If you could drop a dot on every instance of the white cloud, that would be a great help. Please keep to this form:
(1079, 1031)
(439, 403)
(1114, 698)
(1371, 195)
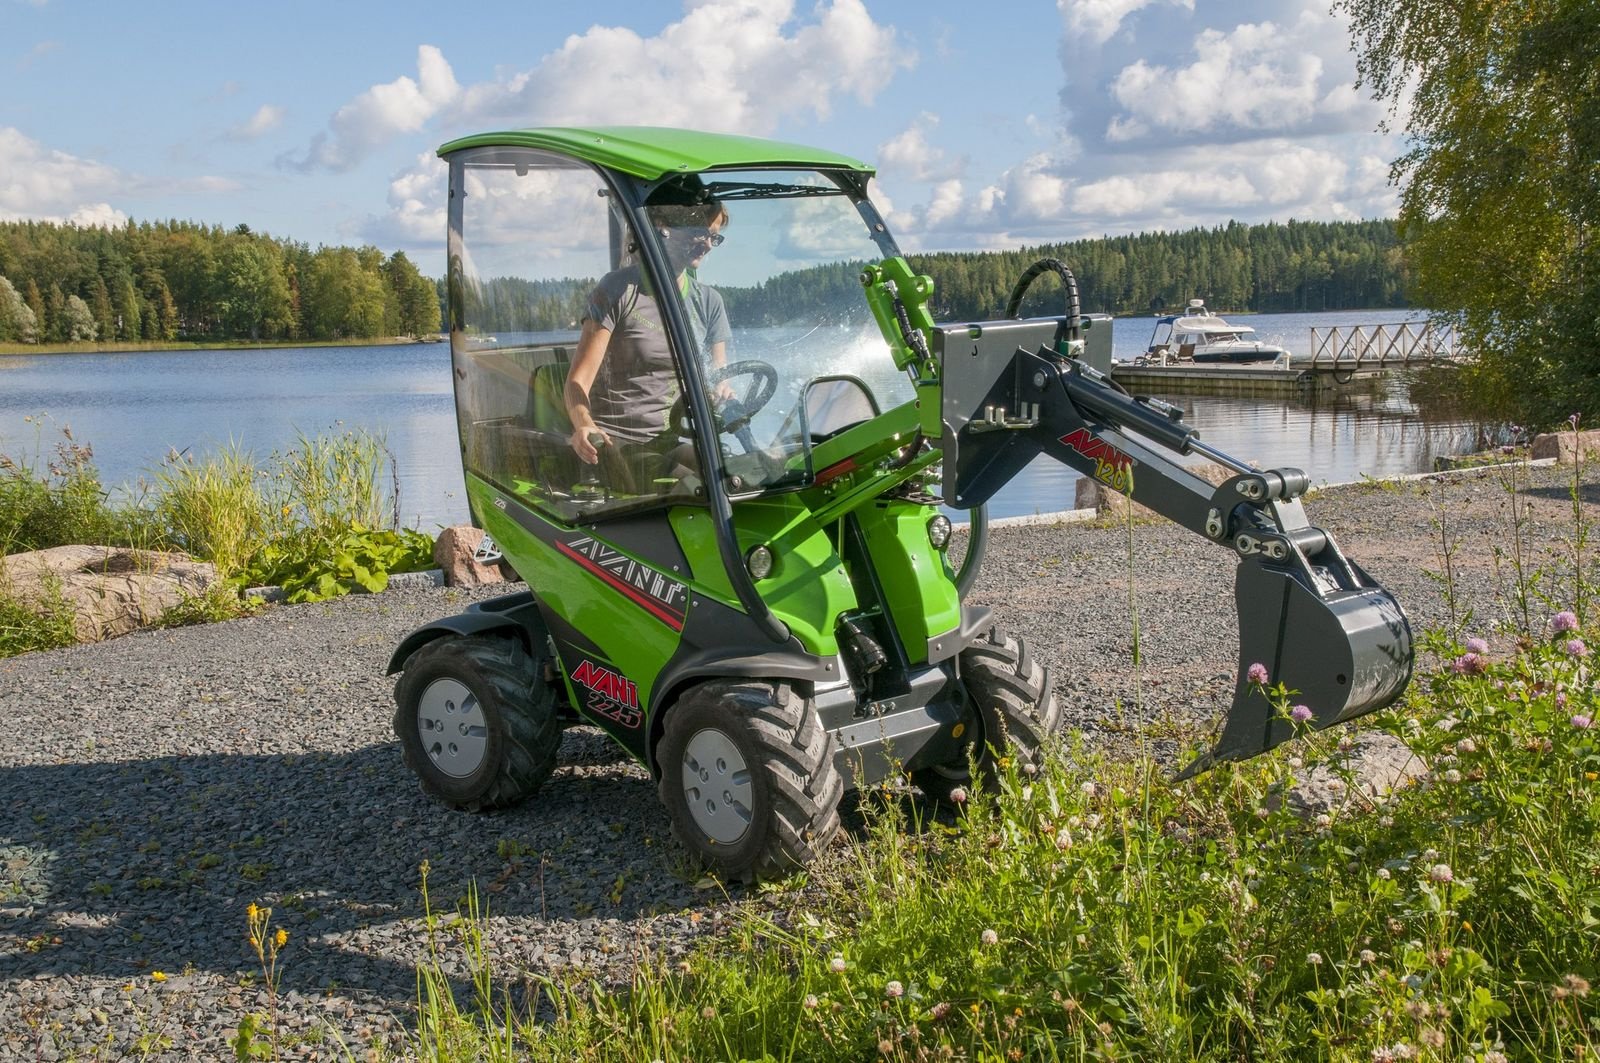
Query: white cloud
(727, 65)
(97, 215)
(41, 184)
(417, 203)
(267, 118)
(46, 185)
(1254, 78)
(909, 152)
(1099, 20)
(380, 113)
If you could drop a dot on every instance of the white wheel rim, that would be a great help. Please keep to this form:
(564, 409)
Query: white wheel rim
(452, 727)
(717, 786)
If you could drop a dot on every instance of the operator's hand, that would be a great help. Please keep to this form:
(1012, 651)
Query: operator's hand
(586, 442)
(723, 391)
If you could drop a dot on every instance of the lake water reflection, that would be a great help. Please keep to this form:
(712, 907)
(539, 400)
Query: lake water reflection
(133, 408)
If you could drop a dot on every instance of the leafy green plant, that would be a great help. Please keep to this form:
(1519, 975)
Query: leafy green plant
(335, 483)
(311, 568)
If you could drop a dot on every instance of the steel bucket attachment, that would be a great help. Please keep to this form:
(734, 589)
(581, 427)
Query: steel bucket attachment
(1344, 651)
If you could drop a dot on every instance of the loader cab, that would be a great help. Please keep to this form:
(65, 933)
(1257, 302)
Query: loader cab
(762, 313)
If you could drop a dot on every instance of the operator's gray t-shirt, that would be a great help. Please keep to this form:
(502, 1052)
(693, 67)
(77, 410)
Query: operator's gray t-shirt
(636, 386)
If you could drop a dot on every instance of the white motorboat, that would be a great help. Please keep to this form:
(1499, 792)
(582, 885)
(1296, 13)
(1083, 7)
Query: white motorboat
(1198, 335)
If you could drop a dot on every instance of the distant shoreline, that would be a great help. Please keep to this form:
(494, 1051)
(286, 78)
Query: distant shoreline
(154, 346)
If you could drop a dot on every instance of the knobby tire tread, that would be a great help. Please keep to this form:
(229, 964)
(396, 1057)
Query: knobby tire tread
(795, 754)
(525, 705)
(999, 670)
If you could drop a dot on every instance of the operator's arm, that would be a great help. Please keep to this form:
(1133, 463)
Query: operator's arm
(580, 378)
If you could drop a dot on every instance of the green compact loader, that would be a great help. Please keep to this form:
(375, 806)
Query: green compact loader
(755, 599)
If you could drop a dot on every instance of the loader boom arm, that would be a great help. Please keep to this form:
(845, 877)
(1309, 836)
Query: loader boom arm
(1321, 625)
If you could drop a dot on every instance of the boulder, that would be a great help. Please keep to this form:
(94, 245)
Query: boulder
(454, 552)
(111, 590)
(1567, 447)
(1380, 764)
(1114, 504)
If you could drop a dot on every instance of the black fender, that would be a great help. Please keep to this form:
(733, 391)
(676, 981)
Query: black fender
(514, 613)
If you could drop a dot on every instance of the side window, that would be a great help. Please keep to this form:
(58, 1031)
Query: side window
(545, 277)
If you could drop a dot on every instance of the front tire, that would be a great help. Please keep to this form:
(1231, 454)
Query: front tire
(477, 721)
(748, 779)
(1011, 712)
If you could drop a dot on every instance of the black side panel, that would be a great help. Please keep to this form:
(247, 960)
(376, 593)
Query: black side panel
(641, 535)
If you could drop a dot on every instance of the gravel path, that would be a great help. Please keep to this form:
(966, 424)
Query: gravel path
(155, 786)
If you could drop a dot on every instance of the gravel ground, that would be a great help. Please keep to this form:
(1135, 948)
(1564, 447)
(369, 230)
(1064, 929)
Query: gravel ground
(155, 786)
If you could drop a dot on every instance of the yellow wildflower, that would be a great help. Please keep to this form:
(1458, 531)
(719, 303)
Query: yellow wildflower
(252, 911)
(1591, 776)
(158, 976)
(1465, 925)
(281, 937)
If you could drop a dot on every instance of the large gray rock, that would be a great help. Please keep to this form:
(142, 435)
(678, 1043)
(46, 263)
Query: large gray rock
(1379, 764)
(1567, 447)
(111, 590)
(453, 552)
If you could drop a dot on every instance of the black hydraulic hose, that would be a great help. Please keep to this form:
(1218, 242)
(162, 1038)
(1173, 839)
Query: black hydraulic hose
(977, 544)
(1068, 282)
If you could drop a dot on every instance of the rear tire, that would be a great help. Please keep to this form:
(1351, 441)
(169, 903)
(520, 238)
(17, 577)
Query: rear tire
(1011, 712)
(748, 779)
(477, 721)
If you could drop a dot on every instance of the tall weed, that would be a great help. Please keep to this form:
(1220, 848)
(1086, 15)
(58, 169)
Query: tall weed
(213, 507)
(334, 483)
(56, 499)
(41, 623)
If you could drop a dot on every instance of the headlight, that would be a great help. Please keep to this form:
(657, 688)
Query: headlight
(759, 562)
(939, 531)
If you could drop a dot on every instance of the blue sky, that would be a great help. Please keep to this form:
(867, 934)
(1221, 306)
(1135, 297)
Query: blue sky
(993, 124)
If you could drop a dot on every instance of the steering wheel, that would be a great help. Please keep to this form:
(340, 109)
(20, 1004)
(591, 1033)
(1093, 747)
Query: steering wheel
(734, 414)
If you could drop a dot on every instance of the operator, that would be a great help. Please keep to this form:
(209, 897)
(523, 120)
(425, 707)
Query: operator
(622, 384)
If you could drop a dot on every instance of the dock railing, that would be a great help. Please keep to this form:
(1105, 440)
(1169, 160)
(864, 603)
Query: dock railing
(1353, 347)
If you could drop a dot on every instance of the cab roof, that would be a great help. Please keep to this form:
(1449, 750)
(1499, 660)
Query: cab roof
(650, 152)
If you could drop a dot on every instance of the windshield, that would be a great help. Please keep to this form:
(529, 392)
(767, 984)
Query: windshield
(569, 365)
(787, 270)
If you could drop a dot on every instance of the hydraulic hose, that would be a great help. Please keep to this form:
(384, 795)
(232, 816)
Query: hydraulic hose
(1069, 284)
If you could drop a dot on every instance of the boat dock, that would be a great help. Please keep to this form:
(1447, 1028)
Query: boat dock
(1235, 378)
(1336, 357)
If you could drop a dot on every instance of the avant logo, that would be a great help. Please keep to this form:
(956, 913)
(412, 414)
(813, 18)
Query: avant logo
(1085, 443)
(655, 592)
(611, 694)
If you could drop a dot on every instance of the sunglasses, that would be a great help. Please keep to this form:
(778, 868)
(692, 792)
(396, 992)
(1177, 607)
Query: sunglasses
(699, 233)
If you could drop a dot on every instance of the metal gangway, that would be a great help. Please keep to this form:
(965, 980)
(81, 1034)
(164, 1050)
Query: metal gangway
(1350, 348)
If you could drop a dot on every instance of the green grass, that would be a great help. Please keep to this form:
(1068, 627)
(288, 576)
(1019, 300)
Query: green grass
(1098, 911)
(1101, 911)
(33, 625)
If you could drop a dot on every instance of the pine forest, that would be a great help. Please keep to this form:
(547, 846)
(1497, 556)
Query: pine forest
(164, 281)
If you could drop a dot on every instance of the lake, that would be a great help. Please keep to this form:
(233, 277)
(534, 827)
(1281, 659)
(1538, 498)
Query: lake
(133, 408)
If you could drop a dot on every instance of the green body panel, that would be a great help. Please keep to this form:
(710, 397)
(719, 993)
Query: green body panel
(634, 642)
(808, 588)
(917, 582)
(650, 152)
